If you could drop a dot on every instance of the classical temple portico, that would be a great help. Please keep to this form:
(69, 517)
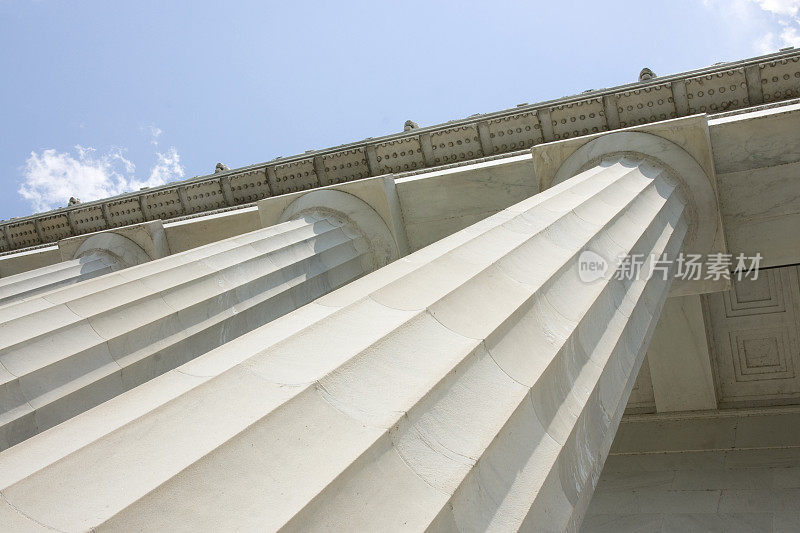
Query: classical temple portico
(482, 364)
(423, 350)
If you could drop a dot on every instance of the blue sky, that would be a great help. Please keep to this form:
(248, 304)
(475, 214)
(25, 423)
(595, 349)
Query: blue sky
(99, 97)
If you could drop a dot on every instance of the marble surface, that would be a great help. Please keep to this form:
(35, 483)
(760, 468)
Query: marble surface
(39, 280)
(718, 482)
(69, 349)
(678, 358)
(389, 403)
(757, 156)
(439, 203)
(335, 397)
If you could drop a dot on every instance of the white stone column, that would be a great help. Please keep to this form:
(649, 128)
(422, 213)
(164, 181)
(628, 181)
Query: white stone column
(70, 349)
(473, 385)
(27, 284)
(99, 254)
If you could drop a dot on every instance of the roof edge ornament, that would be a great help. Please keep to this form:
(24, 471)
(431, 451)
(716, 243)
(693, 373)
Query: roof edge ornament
(646, 74)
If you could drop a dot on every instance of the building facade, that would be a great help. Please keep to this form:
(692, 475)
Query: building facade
(582, 314)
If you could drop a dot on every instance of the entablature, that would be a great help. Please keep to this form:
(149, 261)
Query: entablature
(718, 88)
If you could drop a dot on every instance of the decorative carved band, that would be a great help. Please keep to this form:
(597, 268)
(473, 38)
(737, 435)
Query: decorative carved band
(724, 87)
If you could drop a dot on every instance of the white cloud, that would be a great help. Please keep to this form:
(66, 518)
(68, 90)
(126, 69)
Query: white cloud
(780, 7)
(766, 43)
(50, 178)
(785, 13)
(772, 42)
(790, 35)
(769, 24)
(155, 133)
(168, 167)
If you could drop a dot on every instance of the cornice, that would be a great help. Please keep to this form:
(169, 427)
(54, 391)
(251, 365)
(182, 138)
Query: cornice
(719, 88)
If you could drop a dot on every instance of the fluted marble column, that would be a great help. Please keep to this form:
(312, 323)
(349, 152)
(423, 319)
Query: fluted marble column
(100, 254)
(73, 348)
(475, 384)
(27, 284)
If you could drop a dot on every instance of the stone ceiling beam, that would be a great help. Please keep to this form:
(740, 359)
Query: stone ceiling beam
(679, 358)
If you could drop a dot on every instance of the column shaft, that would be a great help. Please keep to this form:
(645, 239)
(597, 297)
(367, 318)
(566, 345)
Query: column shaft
(70, 349)
(474, 385)
(27, 284)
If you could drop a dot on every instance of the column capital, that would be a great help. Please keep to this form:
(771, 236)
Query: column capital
(682, 148)
(121, 250)
(370, 205)
(354, 215)
(148, 238)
